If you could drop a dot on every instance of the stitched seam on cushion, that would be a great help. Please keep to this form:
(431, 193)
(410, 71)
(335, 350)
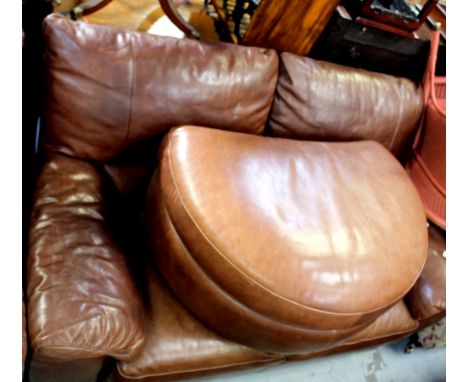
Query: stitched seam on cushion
(382, 336)
(199, 369)
(398, 127)
(132, 87)
(238, 303)
(243, 274)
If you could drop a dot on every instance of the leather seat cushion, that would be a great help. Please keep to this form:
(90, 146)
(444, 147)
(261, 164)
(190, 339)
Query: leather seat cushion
(394, 324)
(286, 246)
(178, 345)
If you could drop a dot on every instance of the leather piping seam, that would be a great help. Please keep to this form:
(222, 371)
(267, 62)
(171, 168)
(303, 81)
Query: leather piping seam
(435, 311)
(345, 346)
(255, 282)
(195, 370)
(400, 332)
(241, 305)
(398, 126)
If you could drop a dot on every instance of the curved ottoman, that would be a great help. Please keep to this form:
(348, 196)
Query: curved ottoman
(285, 246)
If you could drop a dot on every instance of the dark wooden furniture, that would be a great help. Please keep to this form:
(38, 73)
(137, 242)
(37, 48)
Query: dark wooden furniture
(86, 8)
(229, 16)
(350, 43)
(289, 25)
(232, 17)
(170, 9)
(397, 13)
(284, 25)
(395, 16)
(437, 18)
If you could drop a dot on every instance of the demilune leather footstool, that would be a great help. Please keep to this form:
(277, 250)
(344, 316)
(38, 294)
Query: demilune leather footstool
(285, 246)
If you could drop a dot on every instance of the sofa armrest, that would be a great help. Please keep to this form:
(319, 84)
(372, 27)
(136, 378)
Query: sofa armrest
(426, 300)
(82, 300)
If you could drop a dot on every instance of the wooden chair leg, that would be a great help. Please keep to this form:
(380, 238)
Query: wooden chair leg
(86, 8)
(173, 14)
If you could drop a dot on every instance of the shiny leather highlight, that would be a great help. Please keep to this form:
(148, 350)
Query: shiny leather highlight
(269, 247)
(427, 298)
(109, 89)
(318, 100)
(252, 211)
(394, 324)
(177, 344)
(82, 302)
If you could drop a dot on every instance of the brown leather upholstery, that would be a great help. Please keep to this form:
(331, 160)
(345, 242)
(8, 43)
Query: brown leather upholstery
(82, 302)
(108, 89)
(426, 300)
(394, 324)
(178, 345)
(287, 240)
(287, 246)
(317, 100)
(131, 171)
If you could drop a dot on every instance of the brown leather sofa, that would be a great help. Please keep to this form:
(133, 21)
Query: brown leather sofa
(208, 207)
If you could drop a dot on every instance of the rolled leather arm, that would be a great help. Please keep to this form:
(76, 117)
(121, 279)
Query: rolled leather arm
(82, 300)
(426, 300)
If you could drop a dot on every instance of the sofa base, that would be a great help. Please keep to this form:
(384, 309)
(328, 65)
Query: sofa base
(45, 369)
(179, 346)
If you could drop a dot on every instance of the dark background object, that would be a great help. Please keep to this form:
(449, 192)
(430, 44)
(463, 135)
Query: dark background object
(349, 43)
(86, 8)
(244, 7)
(289, 26)
(392, 12)
(33, 12)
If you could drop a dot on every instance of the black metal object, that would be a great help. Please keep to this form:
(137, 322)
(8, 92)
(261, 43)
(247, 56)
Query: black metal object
(348, 43)
(171, 11)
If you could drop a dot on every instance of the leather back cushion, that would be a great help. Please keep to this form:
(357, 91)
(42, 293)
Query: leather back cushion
(317, 100)
(108, 89)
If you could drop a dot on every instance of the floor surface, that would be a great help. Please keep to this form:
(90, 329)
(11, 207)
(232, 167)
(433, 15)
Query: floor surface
(148, 16)
(385, 363)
